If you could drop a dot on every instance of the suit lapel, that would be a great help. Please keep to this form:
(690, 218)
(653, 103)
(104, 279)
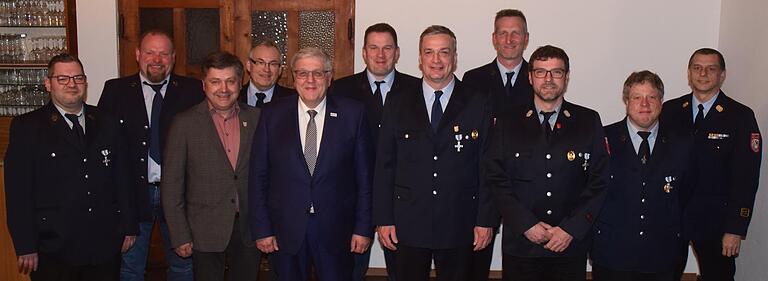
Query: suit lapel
(293, 111)
(457, 102)
(136, 98)
(60, 126)
(330, 131)
(497, 84)
(246, 134)
(628, 147)
(92, 127)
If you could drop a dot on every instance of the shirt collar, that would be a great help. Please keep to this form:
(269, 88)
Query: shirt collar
(320, 107)
(62, 111)
(503, 70)
(235, 110)
(144, 79)
(447, 90)
(707, 105)
(388, 79)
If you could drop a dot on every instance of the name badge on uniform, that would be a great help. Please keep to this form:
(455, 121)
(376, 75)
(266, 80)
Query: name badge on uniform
(668, 186)
(717, 136)
(106, 160)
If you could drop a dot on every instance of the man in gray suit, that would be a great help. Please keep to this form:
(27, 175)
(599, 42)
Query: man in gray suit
(205, 181)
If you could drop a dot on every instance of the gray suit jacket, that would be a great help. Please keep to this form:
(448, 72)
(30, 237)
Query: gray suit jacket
(199, 185)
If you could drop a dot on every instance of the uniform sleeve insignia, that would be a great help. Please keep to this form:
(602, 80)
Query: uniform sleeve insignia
(558, 126)
(744, 212)
(754, 142)
(607, 146)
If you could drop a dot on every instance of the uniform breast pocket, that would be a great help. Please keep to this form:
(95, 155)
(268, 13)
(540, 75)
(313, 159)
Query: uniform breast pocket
(409, 144)
(720, 143)
(522, 168)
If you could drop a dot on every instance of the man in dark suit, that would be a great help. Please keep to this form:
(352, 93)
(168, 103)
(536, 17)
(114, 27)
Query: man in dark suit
(728, 144)
(506, 77)
(547, 166)
(637, 234)
(371, 87)
(264, 65)
(69, 201)
(205, 186)
(144, 104)
(310, 180)
(428, 204)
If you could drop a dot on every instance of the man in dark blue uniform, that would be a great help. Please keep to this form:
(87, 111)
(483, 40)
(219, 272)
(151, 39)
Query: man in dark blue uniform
(547, 167)
(506, 80)
(144, 104)
(506, 77)
(371, 87)
(728, 145)
(637, 234)
(427, 198)
(70, 204)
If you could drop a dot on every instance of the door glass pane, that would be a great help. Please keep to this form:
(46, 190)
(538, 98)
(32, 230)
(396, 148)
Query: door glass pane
(202, 33)
(317, 29)
(153, 18)
(270, 25)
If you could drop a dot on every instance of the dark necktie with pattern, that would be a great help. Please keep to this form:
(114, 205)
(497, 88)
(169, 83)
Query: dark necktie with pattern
(77, 130)
(545, 124)
(437, 111)
(260, 99)
(154, 123)
(644, 152)
(377, 96)
(508, 85)
(697, 123)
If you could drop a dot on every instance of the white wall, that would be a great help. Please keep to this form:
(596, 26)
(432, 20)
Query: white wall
(605, 40)
(97, 43)
(743, 41)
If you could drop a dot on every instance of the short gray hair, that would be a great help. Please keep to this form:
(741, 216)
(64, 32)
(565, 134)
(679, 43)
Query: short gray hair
(315, 52)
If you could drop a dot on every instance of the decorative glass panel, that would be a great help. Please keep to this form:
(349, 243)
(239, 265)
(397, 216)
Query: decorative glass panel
(270, 25)
(152, 18)
(202, 33)
(317, 29)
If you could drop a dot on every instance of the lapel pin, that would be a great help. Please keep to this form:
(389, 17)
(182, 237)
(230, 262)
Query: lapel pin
(571, 155)
(54, 117)
(719, 108)
(245, 123)
(558, 126)
(475, 134)
(529, 113)
(334, 114)
(456, 128)
(685, 104)
(106, 160)
(567, 113)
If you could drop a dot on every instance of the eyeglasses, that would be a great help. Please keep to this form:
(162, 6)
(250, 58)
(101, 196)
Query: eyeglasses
(304, 74)
(556, 73)
(261, 63)
(64, 79)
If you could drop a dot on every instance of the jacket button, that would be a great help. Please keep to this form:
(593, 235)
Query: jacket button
(642, 233)
(642, 217)
(642, 200)
(85, 159)
(121, 121)
(146, 127)
(434, 192)
(549, 212)
(435, 158)
(549, 194)
(141, 159)
(53, 154)
(517, 155)
(86, 176)
(144, 143)
(549, 156)
(434, 175)
(549, 175)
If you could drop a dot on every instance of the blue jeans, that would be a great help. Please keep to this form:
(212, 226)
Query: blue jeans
(135, 260)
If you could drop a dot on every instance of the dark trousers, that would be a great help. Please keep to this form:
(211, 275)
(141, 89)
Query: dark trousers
(51, 269)
(238, 262)
(329, 265)
(362, 261)
(391, 263)
(414, 264)
(600, 273)
(481, 262)
(713, 266)
(544, 269)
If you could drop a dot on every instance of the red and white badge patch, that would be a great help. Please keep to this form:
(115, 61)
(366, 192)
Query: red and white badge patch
(754, 142)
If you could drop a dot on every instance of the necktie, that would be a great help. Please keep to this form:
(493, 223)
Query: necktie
(545, 124)
(260, 99)
(508, 85)
(310, 143)
(699, 117)
(437, 110)
(645, 149)
(377, 96)
(154, 122)
(77, 130)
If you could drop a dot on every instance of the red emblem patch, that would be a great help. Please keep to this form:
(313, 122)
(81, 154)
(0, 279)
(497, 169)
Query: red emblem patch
(607, 146)
(558, 126)
(754, 142)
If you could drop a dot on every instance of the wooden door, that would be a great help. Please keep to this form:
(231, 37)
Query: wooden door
(202, 26)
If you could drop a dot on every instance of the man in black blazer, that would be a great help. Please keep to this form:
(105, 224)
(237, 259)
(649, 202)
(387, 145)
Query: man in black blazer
(728, 144)
(638, 232)
(265, 65)
(506, 77)
(144, 104)
(69, 200)
(371, 87)
(428, 201)
(547, 167)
